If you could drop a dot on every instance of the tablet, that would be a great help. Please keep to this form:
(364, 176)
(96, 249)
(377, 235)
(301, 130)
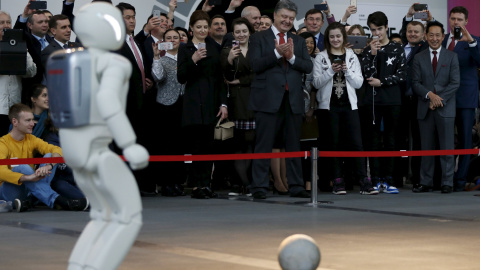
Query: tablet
(358, 42)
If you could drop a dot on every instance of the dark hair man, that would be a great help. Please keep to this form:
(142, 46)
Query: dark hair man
(468, 53)
(279, 60)
(435, 79)
(61, 29)
(384, 70)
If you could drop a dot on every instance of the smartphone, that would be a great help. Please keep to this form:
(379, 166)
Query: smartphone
(321, 7)
(338, 61)
(156, 13)
(420, 15)
(420, 7)
(235, 43)
(457, 33)
(358, 42)
(353, 3)
(214, 2)
(38, 5)
(165, 46)
(202, 46)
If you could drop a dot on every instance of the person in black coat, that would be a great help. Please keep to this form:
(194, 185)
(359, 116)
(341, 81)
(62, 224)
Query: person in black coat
(205, 98)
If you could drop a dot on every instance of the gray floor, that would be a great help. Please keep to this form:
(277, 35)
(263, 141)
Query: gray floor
(404, 231)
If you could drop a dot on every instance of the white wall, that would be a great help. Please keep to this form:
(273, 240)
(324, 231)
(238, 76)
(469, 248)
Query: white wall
(393, 8)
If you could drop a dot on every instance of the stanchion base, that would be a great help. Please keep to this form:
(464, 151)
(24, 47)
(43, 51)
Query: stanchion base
(314, 204)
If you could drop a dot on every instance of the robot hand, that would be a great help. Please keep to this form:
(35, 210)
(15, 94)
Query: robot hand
(137, 156)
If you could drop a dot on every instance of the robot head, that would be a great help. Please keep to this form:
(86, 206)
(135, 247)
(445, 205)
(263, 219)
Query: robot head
(100, 25)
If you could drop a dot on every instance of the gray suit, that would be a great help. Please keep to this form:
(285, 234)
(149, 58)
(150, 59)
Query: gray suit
(445, 82)
(277, 112)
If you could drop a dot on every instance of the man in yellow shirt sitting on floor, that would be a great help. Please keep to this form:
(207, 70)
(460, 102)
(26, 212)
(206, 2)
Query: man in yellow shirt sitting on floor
(18, 183)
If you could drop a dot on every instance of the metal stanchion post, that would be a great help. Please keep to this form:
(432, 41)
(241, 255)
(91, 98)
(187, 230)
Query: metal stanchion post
(315, 202)
(314, 158)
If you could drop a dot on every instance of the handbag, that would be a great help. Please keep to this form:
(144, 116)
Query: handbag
(224, 131)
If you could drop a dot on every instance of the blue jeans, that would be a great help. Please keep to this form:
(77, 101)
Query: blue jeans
(64, 184)
(40, 189)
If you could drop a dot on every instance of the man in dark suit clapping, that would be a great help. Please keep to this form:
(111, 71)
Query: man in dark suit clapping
(279, 60)
(435, 80)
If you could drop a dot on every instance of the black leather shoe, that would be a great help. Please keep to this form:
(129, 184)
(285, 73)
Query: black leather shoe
(421, 189)
(148, 193)
(446, 189)
(198, 193)
(259, 195)
(168, 191)
(179, 190)
(301, 194)
(209, 192)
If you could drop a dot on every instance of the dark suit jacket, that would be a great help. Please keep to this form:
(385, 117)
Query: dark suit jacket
(53, 47)
(320, 42)
(407, 85)
(239, 94)
(35, 49)
(445, 81)
(204, 90)
(271, 75)
(469, 60)
(136, 99)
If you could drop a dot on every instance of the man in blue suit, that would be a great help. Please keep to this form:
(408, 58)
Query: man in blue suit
(467, 95)
(279, 59)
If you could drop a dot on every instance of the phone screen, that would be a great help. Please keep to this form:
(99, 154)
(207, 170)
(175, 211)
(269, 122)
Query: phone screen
(38, 5)
(457, 32)
(321, 7)
(420, 7)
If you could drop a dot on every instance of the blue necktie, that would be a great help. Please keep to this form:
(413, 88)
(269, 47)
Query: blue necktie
(42, 43)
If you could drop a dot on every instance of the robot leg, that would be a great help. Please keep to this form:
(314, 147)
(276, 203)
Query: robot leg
(99, 214)
(118, 188)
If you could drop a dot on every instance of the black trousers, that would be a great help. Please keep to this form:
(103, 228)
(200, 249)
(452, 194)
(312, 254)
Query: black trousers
(343, 133)
(381, 135)
(268, 125)
(169, 141)
(199, 141)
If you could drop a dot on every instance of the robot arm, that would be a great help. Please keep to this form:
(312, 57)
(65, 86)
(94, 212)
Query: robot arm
(110, 99)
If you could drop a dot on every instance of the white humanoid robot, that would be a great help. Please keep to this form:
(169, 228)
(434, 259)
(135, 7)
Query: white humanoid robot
(87, 102)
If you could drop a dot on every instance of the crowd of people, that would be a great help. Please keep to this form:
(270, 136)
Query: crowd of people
(414, 90)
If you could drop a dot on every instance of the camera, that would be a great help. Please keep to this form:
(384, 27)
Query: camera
(13, 53)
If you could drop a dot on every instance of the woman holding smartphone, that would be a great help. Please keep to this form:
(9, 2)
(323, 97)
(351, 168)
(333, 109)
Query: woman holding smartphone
(204, 100)
(169, 109)
(337, 74)
(239, 75)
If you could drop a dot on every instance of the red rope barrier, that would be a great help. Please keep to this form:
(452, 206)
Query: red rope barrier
(302, 154)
